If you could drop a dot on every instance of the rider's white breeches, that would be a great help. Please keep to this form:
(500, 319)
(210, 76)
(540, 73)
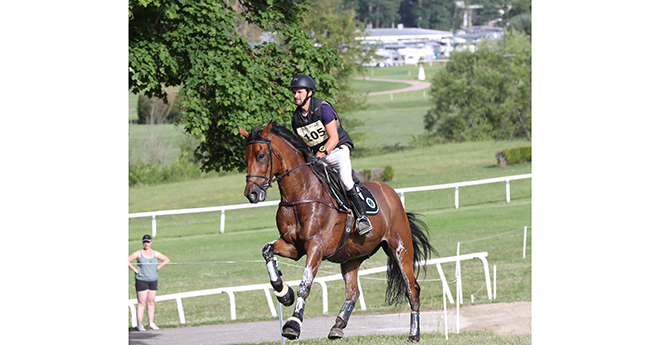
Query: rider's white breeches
(340, 159)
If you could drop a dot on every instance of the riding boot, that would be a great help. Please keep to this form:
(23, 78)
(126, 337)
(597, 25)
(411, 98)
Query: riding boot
(360, 208)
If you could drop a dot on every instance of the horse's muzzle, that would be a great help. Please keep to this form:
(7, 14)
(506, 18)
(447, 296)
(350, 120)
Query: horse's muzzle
(255, 195)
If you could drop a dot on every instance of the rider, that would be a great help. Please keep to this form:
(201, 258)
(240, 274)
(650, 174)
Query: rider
(316, 123)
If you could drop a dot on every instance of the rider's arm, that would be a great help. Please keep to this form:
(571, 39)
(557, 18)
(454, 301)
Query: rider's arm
(331, 129)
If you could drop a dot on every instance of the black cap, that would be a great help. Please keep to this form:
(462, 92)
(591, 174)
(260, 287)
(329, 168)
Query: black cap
(146, 238)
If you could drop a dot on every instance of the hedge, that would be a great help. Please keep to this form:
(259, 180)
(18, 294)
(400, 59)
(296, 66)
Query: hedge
(514, 155)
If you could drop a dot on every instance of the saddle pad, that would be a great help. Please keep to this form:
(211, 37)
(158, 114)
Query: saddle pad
(370, 200)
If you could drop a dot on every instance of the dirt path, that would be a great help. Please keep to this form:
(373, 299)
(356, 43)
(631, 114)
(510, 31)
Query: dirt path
(414, 85)
(500, 318)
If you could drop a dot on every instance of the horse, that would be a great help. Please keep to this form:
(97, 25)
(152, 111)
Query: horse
(311, 223)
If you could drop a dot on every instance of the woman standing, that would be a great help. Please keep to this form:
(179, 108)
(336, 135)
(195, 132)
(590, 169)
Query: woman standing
(146, 279)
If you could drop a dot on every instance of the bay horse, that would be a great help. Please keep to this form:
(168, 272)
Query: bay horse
(311, 223)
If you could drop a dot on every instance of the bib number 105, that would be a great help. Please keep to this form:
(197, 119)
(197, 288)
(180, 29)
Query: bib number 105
(313, 134)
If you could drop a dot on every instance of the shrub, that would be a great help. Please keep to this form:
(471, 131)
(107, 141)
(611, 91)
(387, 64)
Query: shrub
(388, 174)
(515, 155)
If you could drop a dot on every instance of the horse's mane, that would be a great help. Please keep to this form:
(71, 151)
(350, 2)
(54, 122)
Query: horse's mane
(284, 133)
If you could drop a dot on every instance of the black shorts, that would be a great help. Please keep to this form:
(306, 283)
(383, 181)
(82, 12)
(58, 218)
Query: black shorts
(141, 285)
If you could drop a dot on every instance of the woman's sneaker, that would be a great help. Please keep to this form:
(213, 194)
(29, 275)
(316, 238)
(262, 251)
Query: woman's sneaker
(140, 328)
(153, 326)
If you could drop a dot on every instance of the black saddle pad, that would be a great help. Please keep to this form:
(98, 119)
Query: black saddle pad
(332, 177)
(370, 200)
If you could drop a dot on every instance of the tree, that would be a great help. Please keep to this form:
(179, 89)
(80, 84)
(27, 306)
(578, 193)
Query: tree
(376, 13)
(154, 111)
(472, 96)
(335, 25)
(224, 80)
(520, 16)
(428, 14)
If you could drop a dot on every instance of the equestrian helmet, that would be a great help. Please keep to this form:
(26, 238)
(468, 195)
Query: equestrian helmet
(303, 81)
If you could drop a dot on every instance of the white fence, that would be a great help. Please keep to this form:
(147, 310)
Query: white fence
(322, 282)
(400, 191)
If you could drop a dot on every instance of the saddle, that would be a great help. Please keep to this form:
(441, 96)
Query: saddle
(330, 177)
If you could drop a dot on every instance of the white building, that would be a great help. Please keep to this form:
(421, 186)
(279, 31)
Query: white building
(402, 35)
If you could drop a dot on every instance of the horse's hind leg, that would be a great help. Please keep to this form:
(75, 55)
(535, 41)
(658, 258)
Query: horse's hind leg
(403, 256)
(350, 272)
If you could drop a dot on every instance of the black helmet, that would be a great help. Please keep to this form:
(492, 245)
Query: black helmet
(304, 81)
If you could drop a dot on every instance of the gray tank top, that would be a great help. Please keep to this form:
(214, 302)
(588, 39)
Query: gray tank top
(148, 272)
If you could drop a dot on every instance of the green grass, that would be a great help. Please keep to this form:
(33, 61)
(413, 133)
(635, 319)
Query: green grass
(464, 338)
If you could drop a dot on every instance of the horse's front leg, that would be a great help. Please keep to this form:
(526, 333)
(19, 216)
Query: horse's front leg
(291, 328)
(349, 271)
(282, 291)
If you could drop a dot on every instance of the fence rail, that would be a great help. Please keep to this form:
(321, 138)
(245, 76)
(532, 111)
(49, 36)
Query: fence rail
(400, 191)
(266, 287)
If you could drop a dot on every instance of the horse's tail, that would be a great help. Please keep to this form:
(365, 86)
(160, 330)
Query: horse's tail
(422, 250)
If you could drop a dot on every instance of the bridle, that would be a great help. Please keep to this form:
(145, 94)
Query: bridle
(272, 178)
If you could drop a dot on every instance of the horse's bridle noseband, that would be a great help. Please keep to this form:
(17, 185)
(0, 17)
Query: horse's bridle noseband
(272, 178)
(269, 179)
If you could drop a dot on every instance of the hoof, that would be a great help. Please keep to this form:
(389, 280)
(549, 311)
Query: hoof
(414, 338)
(285, 296)
(336, 333)
(291, 330)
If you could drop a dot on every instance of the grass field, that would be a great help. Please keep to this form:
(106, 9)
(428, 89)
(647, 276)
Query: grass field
(464, 338)
(483, 222)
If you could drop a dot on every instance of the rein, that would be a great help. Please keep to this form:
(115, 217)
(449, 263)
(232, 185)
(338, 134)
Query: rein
(272, 178)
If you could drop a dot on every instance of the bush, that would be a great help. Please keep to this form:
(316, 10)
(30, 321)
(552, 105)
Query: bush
(388, 174)
(514, 155)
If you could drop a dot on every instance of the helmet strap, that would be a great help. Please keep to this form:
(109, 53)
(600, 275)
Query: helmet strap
(309, 95)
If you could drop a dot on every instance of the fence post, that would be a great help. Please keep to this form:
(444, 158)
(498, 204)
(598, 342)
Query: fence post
(403, 200)
(525, 242)
(494, 281)
(179, 306)
(456, 197)
(361, 298)
(508, 192)
(153, 225)
(270, 302)
(222, 222)
(133, 314)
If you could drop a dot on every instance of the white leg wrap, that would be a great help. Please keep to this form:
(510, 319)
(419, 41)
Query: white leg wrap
(284, 291)
(293, 318)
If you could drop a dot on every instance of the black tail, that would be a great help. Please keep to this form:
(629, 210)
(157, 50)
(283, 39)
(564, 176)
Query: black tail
(422, 250)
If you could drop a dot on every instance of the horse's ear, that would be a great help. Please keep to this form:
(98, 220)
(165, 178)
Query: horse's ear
(244, 133)
(266, 131)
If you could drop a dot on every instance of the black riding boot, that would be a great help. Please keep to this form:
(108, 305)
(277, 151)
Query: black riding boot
(360, 208)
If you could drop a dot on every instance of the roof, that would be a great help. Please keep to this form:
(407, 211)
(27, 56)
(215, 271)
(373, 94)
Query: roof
(403, 34)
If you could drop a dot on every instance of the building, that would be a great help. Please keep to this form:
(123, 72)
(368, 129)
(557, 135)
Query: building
(403, 35)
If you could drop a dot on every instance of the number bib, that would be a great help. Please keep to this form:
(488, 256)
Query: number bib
(313, 134)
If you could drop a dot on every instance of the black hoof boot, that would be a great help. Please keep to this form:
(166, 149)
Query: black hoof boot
(286, 296)
(413, 338)
(291, 330)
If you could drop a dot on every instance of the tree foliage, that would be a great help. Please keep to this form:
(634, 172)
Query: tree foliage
(428, 14)
(472, 97)
(338, 28)
(224, 80)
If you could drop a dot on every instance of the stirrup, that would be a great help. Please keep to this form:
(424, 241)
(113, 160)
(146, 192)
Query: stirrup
(364, 229)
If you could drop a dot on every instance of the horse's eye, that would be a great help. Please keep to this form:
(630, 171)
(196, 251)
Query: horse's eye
(261, 156)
